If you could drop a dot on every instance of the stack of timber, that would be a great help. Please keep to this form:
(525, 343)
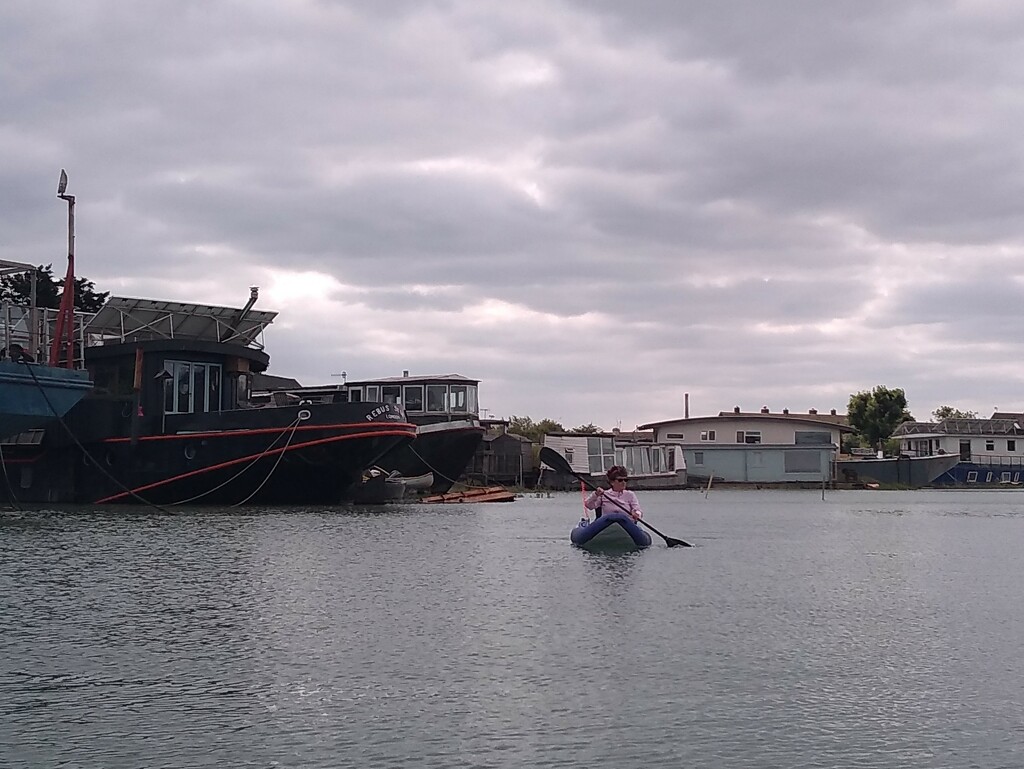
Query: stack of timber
(480, 494)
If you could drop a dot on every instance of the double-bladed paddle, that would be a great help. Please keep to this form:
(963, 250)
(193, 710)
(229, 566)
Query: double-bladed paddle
(557, 462)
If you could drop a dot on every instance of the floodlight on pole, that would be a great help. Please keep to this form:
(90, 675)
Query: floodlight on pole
(64, 327)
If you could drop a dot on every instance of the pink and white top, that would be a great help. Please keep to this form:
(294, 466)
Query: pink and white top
(610, 501)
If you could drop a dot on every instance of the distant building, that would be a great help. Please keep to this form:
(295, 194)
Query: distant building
(991, 450)
(757, 447)
(503, 458)
(651, 465)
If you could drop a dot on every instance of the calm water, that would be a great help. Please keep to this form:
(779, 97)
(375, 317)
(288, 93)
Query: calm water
(872, 629)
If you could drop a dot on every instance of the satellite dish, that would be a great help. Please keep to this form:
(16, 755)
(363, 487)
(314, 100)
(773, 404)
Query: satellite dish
(63, 183)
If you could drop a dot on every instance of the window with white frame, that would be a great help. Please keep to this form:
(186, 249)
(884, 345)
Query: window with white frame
(600, 454)
(707, 435)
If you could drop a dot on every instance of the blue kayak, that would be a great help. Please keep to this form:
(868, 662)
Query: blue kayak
(612, 532)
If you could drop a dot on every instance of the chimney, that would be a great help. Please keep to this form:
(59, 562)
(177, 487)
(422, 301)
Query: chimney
(785, 411)
(833, 412)
(686, 405)
(764, 409)
(812, 411)
(405, 372)
(735, 409)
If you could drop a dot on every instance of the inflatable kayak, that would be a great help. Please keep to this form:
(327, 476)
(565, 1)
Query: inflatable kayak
(610, 532)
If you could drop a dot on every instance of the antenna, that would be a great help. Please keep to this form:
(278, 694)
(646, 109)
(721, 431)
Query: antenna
(62, 185)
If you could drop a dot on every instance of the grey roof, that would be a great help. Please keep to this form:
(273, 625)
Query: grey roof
(962, 427)
(837, 421)
(434, 378)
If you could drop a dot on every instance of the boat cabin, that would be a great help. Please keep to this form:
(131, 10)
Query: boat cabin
(425, 399)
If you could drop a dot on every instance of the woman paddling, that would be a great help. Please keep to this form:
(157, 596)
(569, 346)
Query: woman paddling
(619, 497)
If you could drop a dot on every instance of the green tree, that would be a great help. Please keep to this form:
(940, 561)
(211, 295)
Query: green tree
(876, 414)
(535, 431)
(588, 429)
(948, 412)
(18, 290)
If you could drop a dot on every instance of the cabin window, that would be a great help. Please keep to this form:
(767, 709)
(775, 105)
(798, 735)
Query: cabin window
(656, 463)
(373, 393)
(436, 397)
(458, 399)
(568, 455)
(990, 445)
(707, 435)
(600, 454)
(191, 387)
(972, 476)
(750, 436)
(413, 397)
(698, 457)
(1011, 445)
(391, 394)
(635, 459)
(355, 395)
(677, 436)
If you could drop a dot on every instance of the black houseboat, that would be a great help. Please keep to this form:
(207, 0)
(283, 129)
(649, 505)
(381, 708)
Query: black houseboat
(445, 409)
(170, 420)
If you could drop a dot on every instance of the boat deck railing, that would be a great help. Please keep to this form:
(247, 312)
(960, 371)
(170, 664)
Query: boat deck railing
(33, 328)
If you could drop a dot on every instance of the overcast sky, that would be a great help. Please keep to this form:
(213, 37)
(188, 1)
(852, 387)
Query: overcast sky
(594, 207)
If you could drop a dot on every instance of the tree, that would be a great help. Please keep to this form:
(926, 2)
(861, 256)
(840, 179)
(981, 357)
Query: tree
(18, 290)
(535, 431)
(588, 429)
(948, 412)
(876, 414)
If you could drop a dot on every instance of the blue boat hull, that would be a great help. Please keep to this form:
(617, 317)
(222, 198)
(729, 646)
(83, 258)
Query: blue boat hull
(32, 394)
(612, 532)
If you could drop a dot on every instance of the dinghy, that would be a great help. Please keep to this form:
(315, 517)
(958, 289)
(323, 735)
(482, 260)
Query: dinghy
(612, 532)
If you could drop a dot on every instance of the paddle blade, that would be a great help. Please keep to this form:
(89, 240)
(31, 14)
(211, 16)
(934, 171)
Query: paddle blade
(556, 461)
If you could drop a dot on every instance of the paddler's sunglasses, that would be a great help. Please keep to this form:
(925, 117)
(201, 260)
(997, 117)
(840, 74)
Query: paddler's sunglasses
(620, 478)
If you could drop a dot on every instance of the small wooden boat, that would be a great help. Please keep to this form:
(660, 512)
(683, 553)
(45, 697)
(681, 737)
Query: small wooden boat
(612, 532)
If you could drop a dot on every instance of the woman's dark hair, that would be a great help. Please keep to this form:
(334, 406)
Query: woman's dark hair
(617, 471)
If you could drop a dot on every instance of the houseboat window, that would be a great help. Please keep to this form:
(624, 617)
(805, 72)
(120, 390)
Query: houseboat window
(373, 393)
(192, 387)
(990, 445)
(355, 395)
(972, 476)
(1004, 476)
(677, 436)
(568, 455)
(459, 399)
(600, 454)
(656, 463)
(1011, 445)
(632, 458)
(750, 436)
(698, 457)
(812, 438)
(436, 396)
(414, 397)
(391, 394)
(802, 462)
(707, 435)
